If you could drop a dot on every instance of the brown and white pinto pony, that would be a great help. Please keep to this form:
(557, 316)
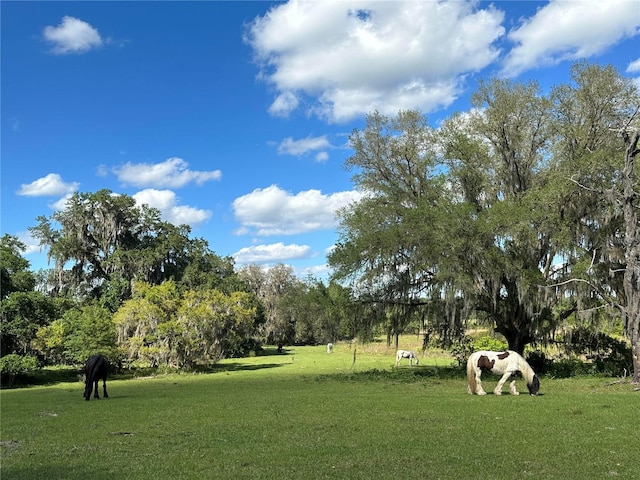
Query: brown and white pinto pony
(94, 370)
(507, 364)
(400, 354)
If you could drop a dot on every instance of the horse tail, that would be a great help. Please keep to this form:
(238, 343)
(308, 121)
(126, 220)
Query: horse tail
(471, 374)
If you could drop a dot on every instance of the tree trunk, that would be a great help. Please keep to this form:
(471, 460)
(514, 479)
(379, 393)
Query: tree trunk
(635, 352)
(631, 308)
(515, 339)
(516, 333)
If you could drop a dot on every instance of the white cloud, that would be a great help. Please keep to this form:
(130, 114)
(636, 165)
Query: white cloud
(322, 157)
(634, 66)
(32, 244)
(48, 186)
(72, 36)
(564, 30)
(317, 271)
(167, 202)
(273, 253)
(284, 104)
(172, 173)
(60, 204)
(349, 58)
(289, 146)
(273, 211)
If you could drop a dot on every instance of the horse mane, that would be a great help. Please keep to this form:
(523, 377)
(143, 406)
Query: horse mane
(525, 368)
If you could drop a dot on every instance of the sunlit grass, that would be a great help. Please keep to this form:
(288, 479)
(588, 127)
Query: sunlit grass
(309, 414)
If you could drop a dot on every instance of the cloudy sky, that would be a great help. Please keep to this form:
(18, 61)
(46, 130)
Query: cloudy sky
(234, 117)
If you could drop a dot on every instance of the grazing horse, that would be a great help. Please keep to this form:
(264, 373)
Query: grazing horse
(411, 355)
(507, 364)
(94, 370)
(329, 347)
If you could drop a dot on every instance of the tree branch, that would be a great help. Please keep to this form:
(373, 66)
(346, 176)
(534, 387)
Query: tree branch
(584, 186)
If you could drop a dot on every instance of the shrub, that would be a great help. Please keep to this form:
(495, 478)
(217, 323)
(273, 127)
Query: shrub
(538, 361)
(463, 348)
(489, 343)
(13, 365)
(607, 355)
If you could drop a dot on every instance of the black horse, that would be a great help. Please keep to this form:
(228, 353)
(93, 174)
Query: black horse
(94, 370)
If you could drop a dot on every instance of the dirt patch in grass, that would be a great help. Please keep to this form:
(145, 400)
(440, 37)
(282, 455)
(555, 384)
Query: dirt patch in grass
(7, 447)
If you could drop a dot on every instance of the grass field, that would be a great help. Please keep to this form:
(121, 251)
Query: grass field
(311, 415)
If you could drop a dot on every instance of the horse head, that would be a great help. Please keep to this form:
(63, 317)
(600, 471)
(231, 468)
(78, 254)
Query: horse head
(534, 386)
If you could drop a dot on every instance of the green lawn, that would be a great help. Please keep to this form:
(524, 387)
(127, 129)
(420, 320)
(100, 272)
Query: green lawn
(308, 414)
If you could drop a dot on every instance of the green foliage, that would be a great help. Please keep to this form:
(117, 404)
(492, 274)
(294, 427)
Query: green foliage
(608, 355)
(489, 343)
(108, 241)
(14, 269)
(478, 211)
(78, 334)
(146, 325)
(13, 365)
(21, 315)
(162, 326)
(212, 326)
(461, 349)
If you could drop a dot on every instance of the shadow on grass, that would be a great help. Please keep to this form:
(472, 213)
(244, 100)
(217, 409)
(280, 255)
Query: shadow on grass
(50, 471)
(400, 375)
(55, 375)
(237, 367)
(43, 377)
(216, 368)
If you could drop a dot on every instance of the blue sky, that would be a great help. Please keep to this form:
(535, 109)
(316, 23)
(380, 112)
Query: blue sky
(234, 117)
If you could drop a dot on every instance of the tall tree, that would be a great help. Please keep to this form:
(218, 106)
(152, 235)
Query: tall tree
(515, 220)
(631, 307)
(15, 275)
(388, 246)
(597, 118)
(273, 287)
(461, 213)
(106, 238)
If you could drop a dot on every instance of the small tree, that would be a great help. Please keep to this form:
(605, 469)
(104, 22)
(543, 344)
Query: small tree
(146, 324)
(212, 325)
(13, 365)
(78, 334)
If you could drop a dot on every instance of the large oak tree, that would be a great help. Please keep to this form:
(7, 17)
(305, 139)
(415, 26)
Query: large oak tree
(490, 213)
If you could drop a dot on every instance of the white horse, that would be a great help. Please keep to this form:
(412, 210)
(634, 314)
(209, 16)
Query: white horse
(506, 364)
(329, 347)
(411, 355)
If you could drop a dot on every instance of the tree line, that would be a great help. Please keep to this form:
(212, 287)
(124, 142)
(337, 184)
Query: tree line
(141, 291)
(520, 214)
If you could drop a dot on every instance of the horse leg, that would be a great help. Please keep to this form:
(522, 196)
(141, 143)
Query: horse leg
(95, 390)
(504, 378)
(479, 389)
(104, 388)
(512, 388)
